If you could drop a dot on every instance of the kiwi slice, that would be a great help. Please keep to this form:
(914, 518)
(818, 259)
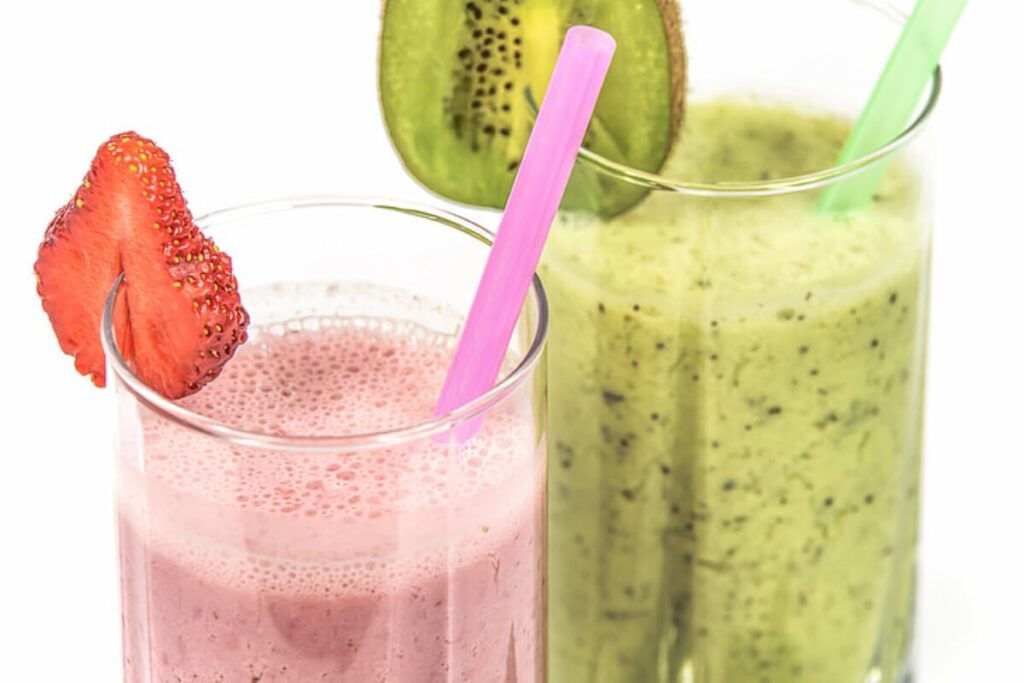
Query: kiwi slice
(457, 77)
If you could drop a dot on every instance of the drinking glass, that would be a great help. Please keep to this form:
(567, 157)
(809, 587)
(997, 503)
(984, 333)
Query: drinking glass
(736, 373)
(264, 538)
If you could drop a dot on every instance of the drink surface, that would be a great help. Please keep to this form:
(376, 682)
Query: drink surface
(735, 394)
(413, 563)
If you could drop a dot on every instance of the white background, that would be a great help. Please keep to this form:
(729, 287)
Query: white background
(256, 101)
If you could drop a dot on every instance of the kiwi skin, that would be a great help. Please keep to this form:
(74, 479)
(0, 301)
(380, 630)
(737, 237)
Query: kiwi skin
(453, 76)
(677, 64)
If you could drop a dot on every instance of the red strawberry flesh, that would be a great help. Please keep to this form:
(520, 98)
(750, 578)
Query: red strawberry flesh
(179, 318)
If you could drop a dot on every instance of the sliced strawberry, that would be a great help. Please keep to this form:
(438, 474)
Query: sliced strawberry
(179, 318)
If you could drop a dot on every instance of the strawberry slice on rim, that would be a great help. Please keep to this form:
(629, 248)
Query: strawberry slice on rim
(178, 318)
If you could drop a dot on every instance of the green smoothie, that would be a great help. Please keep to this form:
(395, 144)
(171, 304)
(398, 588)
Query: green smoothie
(735, 389)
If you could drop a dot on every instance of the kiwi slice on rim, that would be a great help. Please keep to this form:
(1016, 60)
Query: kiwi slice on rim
(457, 77)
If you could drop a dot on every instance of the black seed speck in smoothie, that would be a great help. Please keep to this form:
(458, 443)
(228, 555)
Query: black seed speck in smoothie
(612, 397)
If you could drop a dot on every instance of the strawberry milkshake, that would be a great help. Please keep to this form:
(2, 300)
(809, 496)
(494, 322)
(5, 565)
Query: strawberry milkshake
(421, 561)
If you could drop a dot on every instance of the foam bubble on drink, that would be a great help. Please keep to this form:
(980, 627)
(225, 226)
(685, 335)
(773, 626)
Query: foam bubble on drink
(330, 376)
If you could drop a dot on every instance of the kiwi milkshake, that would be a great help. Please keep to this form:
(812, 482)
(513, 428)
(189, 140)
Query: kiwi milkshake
(735, 390)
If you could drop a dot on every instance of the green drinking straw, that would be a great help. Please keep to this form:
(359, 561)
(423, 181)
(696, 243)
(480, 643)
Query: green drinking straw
(896, 94)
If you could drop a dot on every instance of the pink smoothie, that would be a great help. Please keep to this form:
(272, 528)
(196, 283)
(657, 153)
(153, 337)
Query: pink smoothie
(413, 563)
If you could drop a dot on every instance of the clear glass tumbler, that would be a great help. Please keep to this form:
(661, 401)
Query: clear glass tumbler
(304, 518)
(736, 373)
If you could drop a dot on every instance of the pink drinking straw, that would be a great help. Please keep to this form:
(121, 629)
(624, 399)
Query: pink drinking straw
(536, 193)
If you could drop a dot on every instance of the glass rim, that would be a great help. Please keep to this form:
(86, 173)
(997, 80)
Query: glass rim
(776, 186)
(168, 409)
